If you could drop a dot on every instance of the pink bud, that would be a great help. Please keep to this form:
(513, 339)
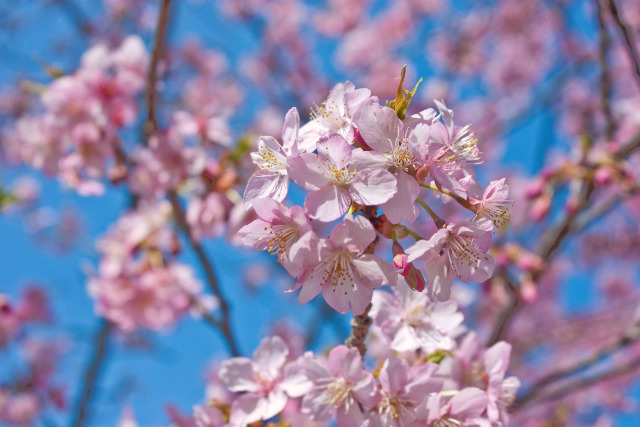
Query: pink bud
(399, 261)
(529, 291)
(602, 176)
(415, 279)
(534, 189)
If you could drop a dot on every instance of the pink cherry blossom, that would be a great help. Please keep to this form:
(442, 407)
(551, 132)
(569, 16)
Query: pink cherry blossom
(266, 380)
(381, 130)
(455, 250)
(272, 181)
(410, 320)
(339, 387)
(284, 232)
(494, 204)
(335, 114)
(403, 389)
(337, 176)
(345, 276)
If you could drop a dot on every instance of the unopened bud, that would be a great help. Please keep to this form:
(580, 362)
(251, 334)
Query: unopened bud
(602, 176)
(529, 290)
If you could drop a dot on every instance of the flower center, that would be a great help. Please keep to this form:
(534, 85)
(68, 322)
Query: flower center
(329, 117)
(464, 250)
(271, 160)
(334, 392)
(281, 237)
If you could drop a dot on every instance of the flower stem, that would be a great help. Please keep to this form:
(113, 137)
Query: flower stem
(412, 233)
(439, 221)
(463, 202)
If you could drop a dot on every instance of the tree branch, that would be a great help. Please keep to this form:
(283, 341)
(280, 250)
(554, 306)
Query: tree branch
(207, 265)
(628, 337)
(628, 37)
(81, 413)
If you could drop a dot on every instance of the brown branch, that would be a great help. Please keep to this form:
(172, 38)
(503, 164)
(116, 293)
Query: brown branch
(212, 280)
(605, 78)
(581, 384)
(151, 125)
(359, 329)
(505, 314)
(628, 37)
(81, 413)
(628, 337)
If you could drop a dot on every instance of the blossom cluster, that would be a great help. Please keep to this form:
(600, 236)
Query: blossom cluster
(434, 373)
(26, 393)
(138, 282)
(76, 136)
(356, 155)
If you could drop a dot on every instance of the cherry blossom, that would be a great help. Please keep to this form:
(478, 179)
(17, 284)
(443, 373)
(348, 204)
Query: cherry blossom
(455, 250)
(337, 176)
(344, 275)
(266, 382)
(339, 387)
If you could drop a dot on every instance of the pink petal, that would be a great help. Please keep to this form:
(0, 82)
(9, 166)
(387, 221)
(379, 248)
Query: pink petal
(393, 376)
(440, 276)
(375, 271)
(270, 356)
(469, 403)
(373, 186)
(378, 125)
(264, 185)
(247, 409)
(238, 375)
(290, 132)
(307, 171)
(335, 150)
(328, 203)
(402, 204)
(425, 249)
(311, 286)
(353, 233)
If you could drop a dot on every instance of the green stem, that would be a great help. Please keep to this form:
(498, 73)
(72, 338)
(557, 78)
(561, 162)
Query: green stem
(412, 233)
(463, 202)
(439, 221)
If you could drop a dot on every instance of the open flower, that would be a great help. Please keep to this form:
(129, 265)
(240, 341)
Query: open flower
(381, 130)
(403, 389)
(282, 231)
(494, 204)
(410, 320)
(339, 387)
(455, 250)
(337, 175)
(266, 381)
(335, 114)
(345, 276)
(272, 180)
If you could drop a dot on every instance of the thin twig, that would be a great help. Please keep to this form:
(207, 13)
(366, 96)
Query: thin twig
(580, 384)
(505, 314)
(628, 37)
(605, 80)
(81, 413)
(207, 265)
(628, 337)
(151, 124)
